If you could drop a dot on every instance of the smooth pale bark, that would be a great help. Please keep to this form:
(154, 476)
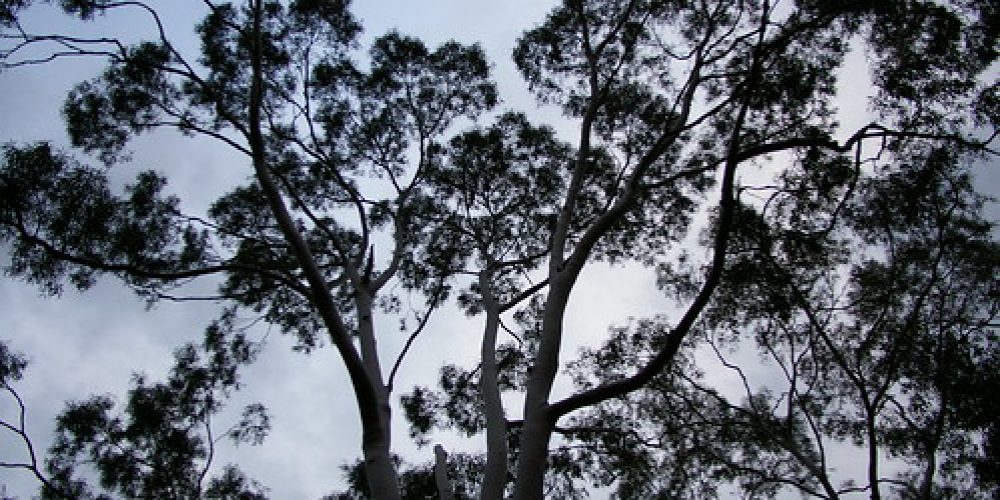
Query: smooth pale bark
(382, 478)
(369, 356)
(533, 456)
(441, 474)
(536, 430)
(383, 482)
(377, 452)
(495, 476)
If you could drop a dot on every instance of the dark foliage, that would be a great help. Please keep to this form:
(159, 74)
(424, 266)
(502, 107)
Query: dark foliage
(856, 265)
(162, 444)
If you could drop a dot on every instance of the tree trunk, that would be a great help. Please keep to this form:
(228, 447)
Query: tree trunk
(532, 458)
(872, 436)
(369, 356)
(379, 468)
(382, 478)
(495, 477)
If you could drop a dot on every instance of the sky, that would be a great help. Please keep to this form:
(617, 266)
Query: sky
(81, 344)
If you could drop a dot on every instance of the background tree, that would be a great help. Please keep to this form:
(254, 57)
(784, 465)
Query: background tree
(768, 80)
(885, 348)
(277, 86)
(353, 189)
(165, 445)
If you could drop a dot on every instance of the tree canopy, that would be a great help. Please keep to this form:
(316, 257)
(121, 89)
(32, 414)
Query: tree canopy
(832, 287)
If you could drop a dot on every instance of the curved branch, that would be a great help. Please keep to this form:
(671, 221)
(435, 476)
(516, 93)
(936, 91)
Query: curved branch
(21, 431)
(870, 131)
(166, 276)
(727, 209)
(409, 341)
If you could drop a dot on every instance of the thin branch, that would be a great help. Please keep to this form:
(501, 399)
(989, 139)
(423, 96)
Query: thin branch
(211, 449)
(510, 332)
(139, 272)
(21, 431)
(525, 294)
(409, 341)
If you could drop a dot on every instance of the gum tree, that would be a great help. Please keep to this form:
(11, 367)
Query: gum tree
(273, 82)
(672, 96)
(354, 187)
(880, 338)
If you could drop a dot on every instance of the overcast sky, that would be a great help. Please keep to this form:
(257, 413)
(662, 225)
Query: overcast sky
(90, 343)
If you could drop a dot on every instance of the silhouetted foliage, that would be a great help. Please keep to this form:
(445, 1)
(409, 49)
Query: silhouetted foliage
(164, 444)
(856, 263)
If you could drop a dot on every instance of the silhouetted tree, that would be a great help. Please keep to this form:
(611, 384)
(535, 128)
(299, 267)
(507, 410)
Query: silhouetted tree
(882, 335)
(164, 445)
(356, 185)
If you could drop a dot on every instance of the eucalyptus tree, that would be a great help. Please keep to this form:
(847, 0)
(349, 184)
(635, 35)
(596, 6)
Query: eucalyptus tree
(308, 243)
(880, 337)
(504, 184)
(673, 101)
(673, 96)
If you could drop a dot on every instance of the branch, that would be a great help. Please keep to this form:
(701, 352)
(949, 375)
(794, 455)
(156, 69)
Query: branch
(140, 272)
(409, 342)
(870, 131)
(21, 431)
(739, 371)
(210, 442)
(727, 206)
(525, 294)
(73, 46)
(510, 332)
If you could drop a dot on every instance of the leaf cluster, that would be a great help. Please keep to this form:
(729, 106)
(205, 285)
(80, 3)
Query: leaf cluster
(162, 444)
(64, 222)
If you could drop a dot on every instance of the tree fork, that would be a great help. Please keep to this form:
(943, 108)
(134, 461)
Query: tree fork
(382, 478)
